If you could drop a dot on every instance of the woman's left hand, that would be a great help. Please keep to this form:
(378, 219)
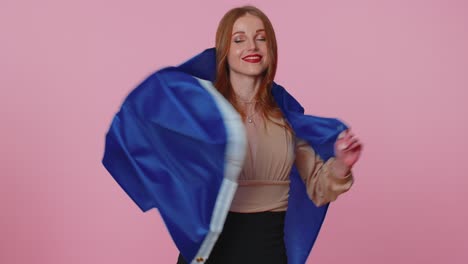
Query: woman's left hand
(347, 149)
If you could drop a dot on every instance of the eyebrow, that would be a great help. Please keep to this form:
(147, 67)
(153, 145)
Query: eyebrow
(243, 32)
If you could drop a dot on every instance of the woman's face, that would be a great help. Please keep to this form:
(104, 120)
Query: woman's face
(248, 55)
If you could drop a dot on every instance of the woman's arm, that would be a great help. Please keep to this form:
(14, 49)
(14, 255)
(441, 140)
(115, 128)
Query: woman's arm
(325, 181)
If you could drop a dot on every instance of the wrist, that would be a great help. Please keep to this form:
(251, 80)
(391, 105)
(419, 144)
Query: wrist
(340, 169)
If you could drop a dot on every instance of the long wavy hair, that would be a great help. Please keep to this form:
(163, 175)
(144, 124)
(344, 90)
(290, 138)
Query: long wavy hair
(267, 104)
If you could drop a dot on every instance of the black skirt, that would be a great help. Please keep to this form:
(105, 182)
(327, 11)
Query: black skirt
(250, 238)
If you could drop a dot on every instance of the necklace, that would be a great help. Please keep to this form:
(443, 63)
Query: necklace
(249, 118)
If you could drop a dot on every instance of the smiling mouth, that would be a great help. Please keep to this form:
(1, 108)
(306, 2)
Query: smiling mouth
(252, 58)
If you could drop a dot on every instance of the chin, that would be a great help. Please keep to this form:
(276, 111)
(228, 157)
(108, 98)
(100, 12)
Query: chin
(256, 72)
(250, 71)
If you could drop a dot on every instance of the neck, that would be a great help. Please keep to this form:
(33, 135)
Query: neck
(245, 87)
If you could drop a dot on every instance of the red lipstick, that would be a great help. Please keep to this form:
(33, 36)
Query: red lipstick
(252, 58)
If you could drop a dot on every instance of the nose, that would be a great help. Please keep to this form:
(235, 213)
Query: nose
(252, 45)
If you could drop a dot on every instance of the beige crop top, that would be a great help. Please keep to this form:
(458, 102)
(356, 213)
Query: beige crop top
(264, 180)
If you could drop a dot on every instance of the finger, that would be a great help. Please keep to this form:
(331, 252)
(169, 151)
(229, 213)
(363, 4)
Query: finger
(351, 140)
(341, 146)
(342, 135)
(348, 142)
(346, 145)
(349, 137)
(355, 146)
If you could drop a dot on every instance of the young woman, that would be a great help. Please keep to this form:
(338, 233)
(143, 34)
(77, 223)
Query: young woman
(246, 53)
(168, 149)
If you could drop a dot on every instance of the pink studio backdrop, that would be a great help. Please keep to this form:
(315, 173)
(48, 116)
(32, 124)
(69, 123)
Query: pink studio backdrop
(395, 70)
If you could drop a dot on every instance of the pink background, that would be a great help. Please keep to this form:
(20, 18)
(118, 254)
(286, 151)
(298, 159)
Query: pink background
(396, 70)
